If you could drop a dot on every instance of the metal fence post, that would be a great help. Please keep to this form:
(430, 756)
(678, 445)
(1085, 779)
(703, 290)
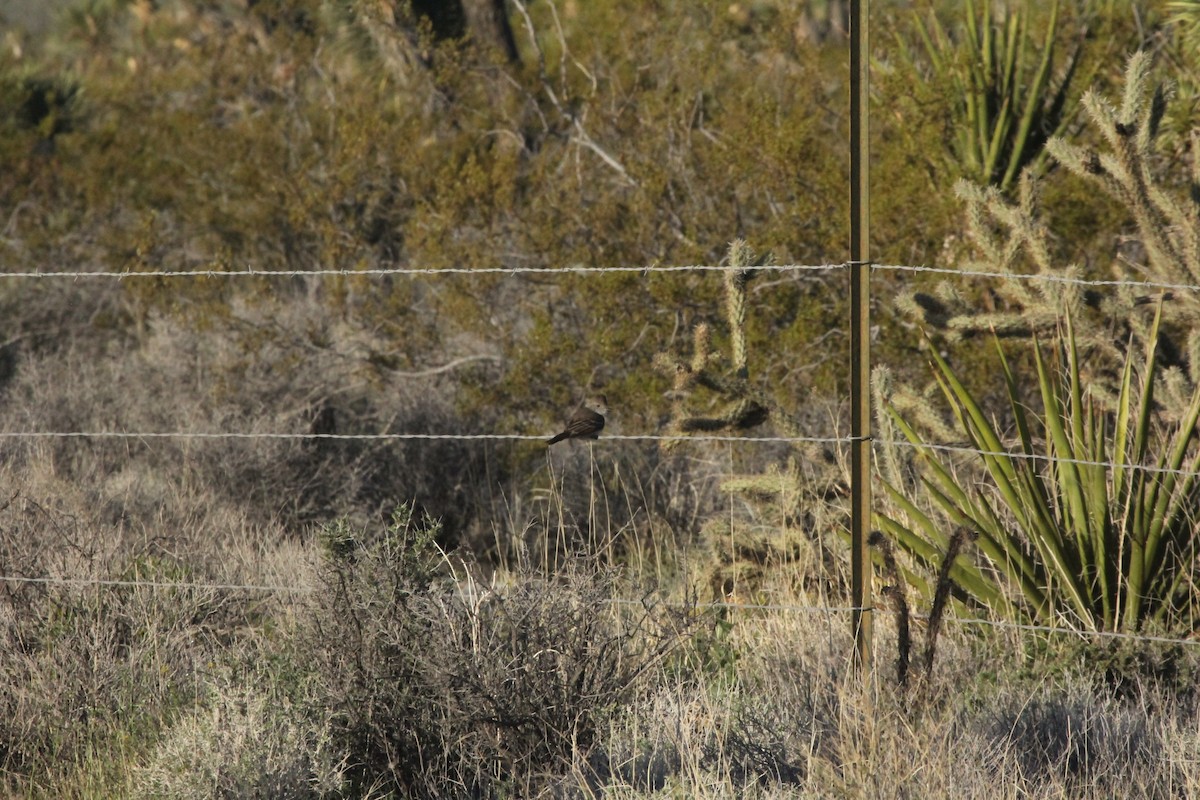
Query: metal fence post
(860, 336)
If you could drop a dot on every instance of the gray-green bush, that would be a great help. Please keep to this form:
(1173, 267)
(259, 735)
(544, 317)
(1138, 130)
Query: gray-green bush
(438, 685)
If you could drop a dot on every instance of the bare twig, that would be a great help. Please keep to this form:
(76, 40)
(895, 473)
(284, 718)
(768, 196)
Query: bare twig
(580, 136)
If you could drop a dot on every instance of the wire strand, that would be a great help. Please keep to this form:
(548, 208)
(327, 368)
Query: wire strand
(585, 270)
(828, 440)
(1031, 277)
(391, 436)
(46, 580)
(286, 273)
(1036, 457)
(621, 601)
(53, 581)
(1082, 634)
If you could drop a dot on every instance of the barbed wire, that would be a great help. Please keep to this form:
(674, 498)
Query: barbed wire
(1035, 457)
(592, 270)
(622, 601)
(254, 587)
(350, 273)
(436, 436)
(588, 270)
(1036, 277)
(823, 440)
(129, 583)
(1064, 631)
(728, 605)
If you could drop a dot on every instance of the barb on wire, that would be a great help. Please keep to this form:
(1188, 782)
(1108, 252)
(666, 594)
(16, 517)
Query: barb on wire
(350, 273)
(1034, 277)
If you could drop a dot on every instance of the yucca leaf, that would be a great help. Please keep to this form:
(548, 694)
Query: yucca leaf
(934, 51)
(994, 538)
(1033, 99)
(908, 541)
(1091, 536)
(973, 511)
(958, 395)
(965, 575)
(1121, 432)
(1003, 82)
(1014, 44)
(1091, 522)
(1051, 538)
(1175, 491)
(1187, 544)
(1069, 483)
(1105, 569)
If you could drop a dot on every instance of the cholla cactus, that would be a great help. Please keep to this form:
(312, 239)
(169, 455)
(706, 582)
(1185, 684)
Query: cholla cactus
(1010, 238)
(784, 495)
(742, 406)
(1169, 230)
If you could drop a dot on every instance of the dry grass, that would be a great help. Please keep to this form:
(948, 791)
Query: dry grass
(416, 673)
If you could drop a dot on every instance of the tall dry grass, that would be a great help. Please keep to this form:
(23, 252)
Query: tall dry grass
(507, 669)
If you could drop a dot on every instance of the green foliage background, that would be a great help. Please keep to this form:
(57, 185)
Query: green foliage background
(275, 138)
(282, 136)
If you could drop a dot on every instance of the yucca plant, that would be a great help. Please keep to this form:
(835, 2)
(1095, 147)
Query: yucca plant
(1003, 69)
(1087, 519)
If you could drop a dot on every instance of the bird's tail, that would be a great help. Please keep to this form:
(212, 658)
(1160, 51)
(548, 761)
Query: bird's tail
(558, 438)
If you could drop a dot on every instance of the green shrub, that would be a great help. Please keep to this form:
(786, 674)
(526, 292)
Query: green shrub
(441, 687)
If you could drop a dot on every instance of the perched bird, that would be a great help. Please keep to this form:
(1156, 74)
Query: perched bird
(586, 422)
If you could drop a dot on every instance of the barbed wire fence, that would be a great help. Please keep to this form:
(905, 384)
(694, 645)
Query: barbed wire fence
(862, 445)
(1057, 630)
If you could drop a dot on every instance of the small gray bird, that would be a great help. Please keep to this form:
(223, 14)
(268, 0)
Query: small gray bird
(586, 422)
